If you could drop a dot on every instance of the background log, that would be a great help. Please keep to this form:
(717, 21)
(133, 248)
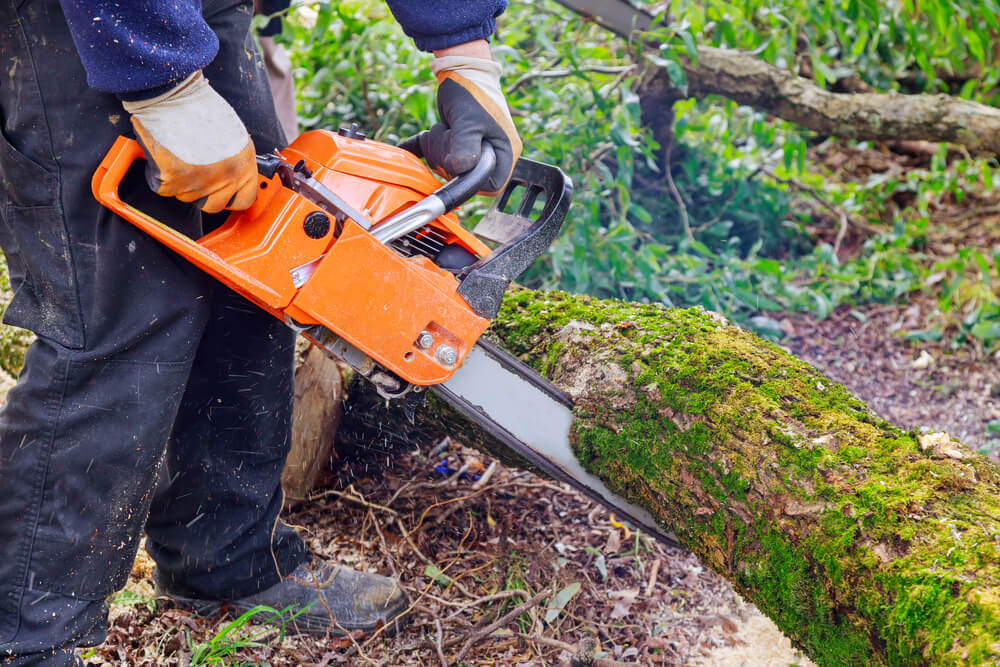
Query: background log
(319, 393)
(864, 543)
(870, 116)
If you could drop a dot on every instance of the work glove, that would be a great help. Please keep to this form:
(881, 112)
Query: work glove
(197, 148)
(473, 110)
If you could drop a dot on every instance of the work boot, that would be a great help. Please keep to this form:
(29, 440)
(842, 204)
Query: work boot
(338, 599)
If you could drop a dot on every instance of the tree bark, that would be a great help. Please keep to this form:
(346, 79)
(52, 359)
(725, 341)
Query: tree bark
(863, 543)
(864, 116)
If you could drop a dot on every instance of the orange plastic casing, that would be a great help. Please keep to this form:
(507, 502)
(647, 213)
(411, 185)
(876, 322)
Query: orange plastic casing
(360, 289)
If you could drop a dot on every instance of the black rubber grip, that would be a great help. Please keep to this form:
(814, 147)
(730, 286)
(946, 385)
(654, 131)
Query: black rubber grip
(464, 187)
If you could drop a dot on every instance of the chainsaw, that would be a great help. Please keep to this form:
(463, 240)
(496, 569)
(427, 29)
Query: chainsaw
(354, 244)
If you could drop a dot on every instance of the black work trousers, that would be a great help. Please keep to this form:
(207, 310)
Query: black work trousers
(144, 368)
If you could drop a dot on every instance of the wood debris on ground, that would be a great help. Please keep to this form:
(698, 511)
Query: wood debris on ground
(516, 571)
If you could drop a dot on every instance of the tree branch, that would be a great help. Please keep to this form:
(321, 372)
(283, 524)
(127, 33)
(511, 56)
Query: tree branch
(865, 116)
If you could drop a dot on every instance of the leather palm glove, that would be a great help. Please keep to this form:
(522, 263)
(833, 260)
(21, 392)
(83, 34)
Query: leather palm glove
(473, 110)
(197, 148)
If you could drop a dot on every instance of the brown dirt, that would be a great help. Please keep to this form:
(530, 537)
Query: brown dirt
(917, 385)
(517, 535)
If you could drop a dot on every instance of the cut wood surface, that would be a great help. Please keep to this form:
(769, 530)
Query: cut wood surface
(319, 393)
(864, 543)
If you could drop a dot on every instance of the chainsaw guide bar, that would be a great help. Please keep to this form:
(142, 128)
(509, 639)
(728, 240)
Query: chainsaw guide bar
(534, 419)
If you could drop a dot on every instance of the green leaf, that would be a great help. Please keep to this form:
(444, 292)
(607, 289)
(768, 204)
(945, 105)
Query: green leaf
(975, 44)
(437, 576)
(769, 266)
(600, 563)
(988, 330)
(127, 598)
(689, 46)
(560, 600)
(924, 335)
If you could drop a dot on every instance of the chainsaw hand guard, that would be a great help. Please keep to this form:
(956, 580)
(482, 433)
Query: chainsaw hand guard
(524, 238)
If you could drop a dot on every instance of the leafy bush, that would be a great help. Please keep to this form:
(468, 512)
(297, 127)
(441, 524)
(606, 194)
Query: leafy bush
(753, 247)
(908, 45)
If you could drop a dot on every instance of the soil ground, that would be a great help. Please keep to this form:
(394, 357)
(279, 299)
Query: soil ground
(469, 551)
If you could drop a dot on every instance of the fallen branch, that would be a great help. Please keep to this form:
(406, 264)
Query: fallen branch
(480, 635)
(864, 116)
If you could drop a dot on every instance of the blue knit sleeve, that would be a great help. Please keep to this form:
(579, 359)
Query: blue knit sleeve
(444, 23)
(137, 45)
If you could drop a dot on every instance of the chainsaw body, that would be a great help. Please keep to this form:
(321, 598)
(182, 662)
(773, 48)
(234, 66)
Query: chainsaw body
(351, 242)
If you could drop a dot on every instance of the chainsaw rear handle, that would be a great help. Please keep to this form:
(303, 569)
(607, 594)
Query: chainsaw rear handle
(105, 183)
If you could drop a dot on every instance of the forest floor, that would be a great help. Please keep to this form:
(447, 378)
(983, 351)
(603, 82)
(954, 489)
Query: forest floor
(471, 552)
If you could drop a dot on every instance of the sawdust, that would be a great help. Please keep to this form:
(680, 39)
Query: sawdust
(757, 642)
(140, 579)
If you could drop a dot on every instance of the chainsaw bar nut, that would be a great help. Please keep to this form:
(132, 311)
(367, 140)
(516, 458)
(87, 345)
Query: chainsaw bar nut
(425, 340)
(447, 355)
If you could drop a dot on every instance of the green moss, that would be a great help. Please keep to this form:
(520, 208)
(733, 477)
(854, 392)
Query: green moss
(862, 547)
(13, 342)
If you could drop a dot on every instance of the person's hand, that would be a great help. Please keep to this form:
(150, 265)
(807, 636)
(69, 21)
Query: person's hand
(197, 148)
(473, 110)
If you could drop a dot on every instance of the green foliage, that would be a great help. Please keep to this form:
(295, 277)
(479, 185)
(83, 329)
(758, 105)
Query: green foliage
(233, 637)
(127, 598)
(757, 245)
(908, 45)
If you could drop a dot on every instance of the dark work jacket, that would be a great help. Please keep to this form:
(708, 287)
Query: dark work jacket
(136, 48)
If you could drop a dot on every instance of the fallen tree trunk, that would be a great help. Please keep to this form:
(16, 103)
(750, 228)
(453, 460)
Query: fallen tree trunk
(863, 544)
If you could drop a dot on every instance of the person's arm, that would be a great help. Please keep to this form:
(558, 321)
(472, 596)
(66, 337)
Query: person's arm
(139, 48)
(471, 103)
(150, 54)
(447, 23)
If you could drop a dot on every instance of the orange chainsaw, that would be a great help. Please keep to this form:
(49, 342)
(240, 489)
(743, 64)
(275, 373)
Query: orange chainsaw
(353, 243)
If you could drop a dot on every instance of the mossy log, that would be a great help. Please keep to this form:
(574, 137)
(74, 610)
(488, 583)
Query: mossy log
(865, 544)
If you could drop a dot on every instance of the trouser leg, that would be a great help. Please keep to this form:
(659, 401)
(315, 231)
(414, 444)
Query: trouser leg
(119, 320)
(213, 529)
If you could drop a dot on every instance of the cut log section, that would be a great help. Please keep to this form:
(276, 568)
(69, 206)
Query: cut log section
(319, 394)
